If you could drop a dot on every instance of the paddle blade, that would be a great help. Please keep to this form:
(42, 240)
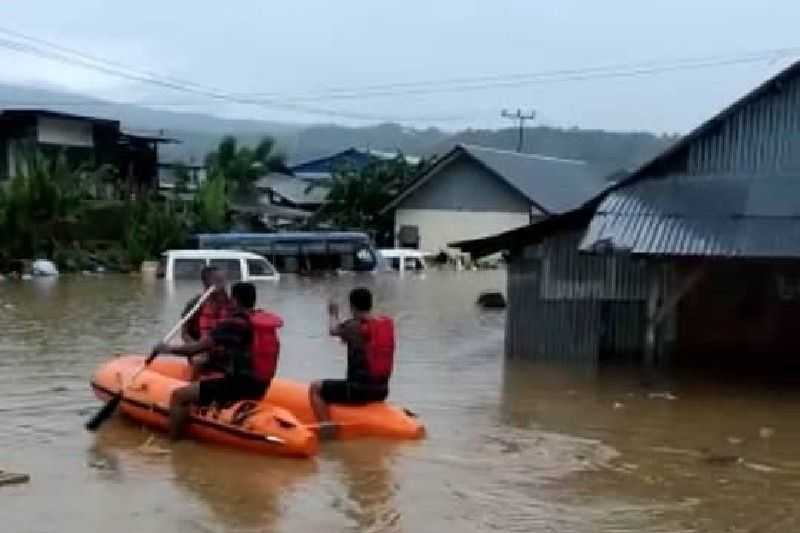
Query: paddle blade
(104, 414)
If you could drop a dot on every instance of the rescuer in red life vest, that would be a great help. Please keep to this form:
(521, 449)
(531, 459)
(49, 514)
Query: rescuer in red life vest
(214, 310)
(370, 358)
(245, 346)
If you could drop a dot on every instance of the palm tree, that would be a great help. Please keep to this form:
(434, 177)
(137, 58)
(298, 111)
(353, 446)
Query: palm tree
(241, 166)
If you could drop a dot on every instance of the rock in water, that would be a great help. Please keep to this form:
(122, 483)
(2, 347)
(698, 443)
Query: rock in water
(9, 478)
(492, 300)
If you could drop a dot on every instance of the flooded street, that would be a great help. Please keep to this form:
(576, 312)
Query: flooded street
(512, 446)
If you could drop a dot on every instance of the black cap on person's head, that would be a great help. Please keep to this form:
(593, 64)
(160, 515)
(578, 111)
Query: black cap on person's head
(361, 299)
(245, 294)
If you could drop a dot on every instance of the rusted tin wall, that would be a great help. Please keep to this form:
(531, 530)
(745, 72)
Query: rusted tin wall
(568, 306)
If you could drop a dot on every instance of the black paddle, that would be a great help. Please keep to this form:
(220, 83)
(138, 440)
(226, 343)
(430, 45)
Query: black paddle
(108, 409)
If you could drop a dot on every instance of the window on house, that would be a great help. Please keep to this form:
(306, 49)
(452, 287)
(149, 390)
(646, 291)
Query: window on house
(788, 287)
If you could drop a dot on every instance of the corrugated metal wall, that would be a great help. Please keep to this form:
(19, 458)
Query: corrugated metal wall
(568, 306)
(764, 136)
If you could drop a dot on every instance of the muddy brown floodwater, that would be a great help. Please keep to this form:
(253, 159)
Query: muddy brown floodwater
(512, 446)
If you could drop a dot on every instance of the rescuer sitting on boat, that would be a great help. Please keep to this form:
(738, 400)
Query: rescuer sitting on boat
(245, 345)
(370, 357)
(214, 310)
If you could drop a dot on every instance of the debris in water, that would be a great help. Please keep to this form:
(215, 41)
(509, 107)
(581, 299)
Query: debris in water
(151, 447)
(722, 460)
(10, 478)
(618, 406)
(491, 300)
(760, 468)
(735, 441)
(662, 396)
(766, 432)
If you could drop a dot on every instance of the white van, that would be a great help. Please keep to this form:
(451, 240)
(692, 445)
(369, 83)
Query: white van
(237, 266)
(402, 260)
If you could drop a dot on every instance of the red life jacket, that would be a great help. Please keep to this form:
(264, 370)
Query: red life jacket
(210, 315)
(266, 346)
(378, 333)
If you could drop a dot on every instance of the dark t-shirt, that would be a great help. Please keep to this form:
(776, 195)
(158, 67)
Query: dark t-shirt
(357, 370)
(233, 338)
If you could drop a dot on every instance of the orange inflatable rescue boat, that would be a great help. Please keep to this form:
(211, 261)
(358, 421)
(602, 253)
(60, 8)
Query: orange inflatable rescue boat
(377, 419)
(257, 426)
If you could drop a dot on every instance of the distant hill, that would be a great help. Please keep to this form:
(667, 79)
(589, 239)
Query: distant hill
(200, 133)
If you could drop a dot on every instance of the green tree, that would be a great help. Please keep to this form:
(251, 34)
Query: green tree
(358, 195)
(153, 226)
(44, 196)
(210, 205)
(241, 166)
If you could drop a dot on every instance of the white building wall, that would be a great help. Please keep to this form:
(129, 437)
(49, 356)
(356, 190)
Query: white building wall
(439, 227)
(65, 132)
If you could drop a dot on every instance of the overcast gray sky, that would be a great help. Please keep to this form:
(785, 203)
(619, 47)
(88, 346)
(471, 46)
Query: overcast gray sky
(307, 48)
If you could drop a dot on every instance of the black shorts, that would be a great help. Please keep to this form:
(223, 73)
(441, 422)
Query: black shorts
(348, 392)
(231, 389)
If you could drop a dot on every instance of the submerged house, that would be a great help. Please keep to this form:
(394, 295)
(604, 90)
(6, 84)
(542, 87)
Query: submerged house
(694, 258)
(473, 191)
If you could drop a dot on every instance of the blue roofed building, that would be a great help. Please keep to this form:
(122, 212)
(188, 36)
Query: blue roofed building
(352, 158)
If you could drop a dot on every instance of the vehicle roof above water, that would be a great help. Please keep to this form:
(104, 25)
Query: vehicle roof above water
(211, 254)
(402, 252)
(291, 235)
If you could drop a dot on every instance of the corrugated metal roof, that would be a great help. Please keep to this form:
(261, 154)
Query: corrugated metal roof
(709, 125)
(557, 185)
(721, 216)
(294, 189)
(552, 184)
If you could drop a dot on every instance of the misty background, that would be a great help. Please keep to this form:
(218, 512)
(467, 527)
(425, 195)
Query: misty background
(612, 83)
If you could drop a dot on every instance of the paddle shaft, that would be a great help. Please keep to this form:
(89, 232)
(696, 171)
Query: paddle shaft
(174, 331)
(108, 409)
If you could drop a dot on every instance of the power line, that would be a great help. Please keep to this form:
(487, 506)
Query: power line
(73, 57)
(547, 76)
(631, 73)
(211, 93)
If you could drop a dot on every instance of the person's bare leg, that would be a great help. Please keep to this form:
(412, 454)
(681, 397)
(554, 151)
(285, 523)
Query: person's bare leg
(179, 405)
(321, 411)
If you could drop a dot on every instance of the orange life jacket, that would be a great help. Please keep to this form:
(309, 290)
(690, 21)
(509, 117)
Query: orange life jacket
(378, 333)
(265, 347)
(210, 315)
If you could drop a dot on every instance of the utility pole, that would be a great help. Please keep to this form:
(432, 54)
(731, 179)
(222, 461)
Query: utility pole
(520, 117)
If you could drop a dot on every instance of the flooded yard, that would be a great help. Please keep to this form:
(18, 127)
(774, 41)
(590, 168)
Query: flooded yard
(512, 445)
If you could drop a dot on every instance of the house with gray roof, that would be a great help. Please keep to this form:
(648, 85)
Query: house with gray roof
(692, 259)
(473, 190)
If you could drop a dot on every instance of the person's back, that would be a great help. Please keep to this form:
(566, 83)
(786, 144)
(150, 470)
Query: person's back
(370, 357)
